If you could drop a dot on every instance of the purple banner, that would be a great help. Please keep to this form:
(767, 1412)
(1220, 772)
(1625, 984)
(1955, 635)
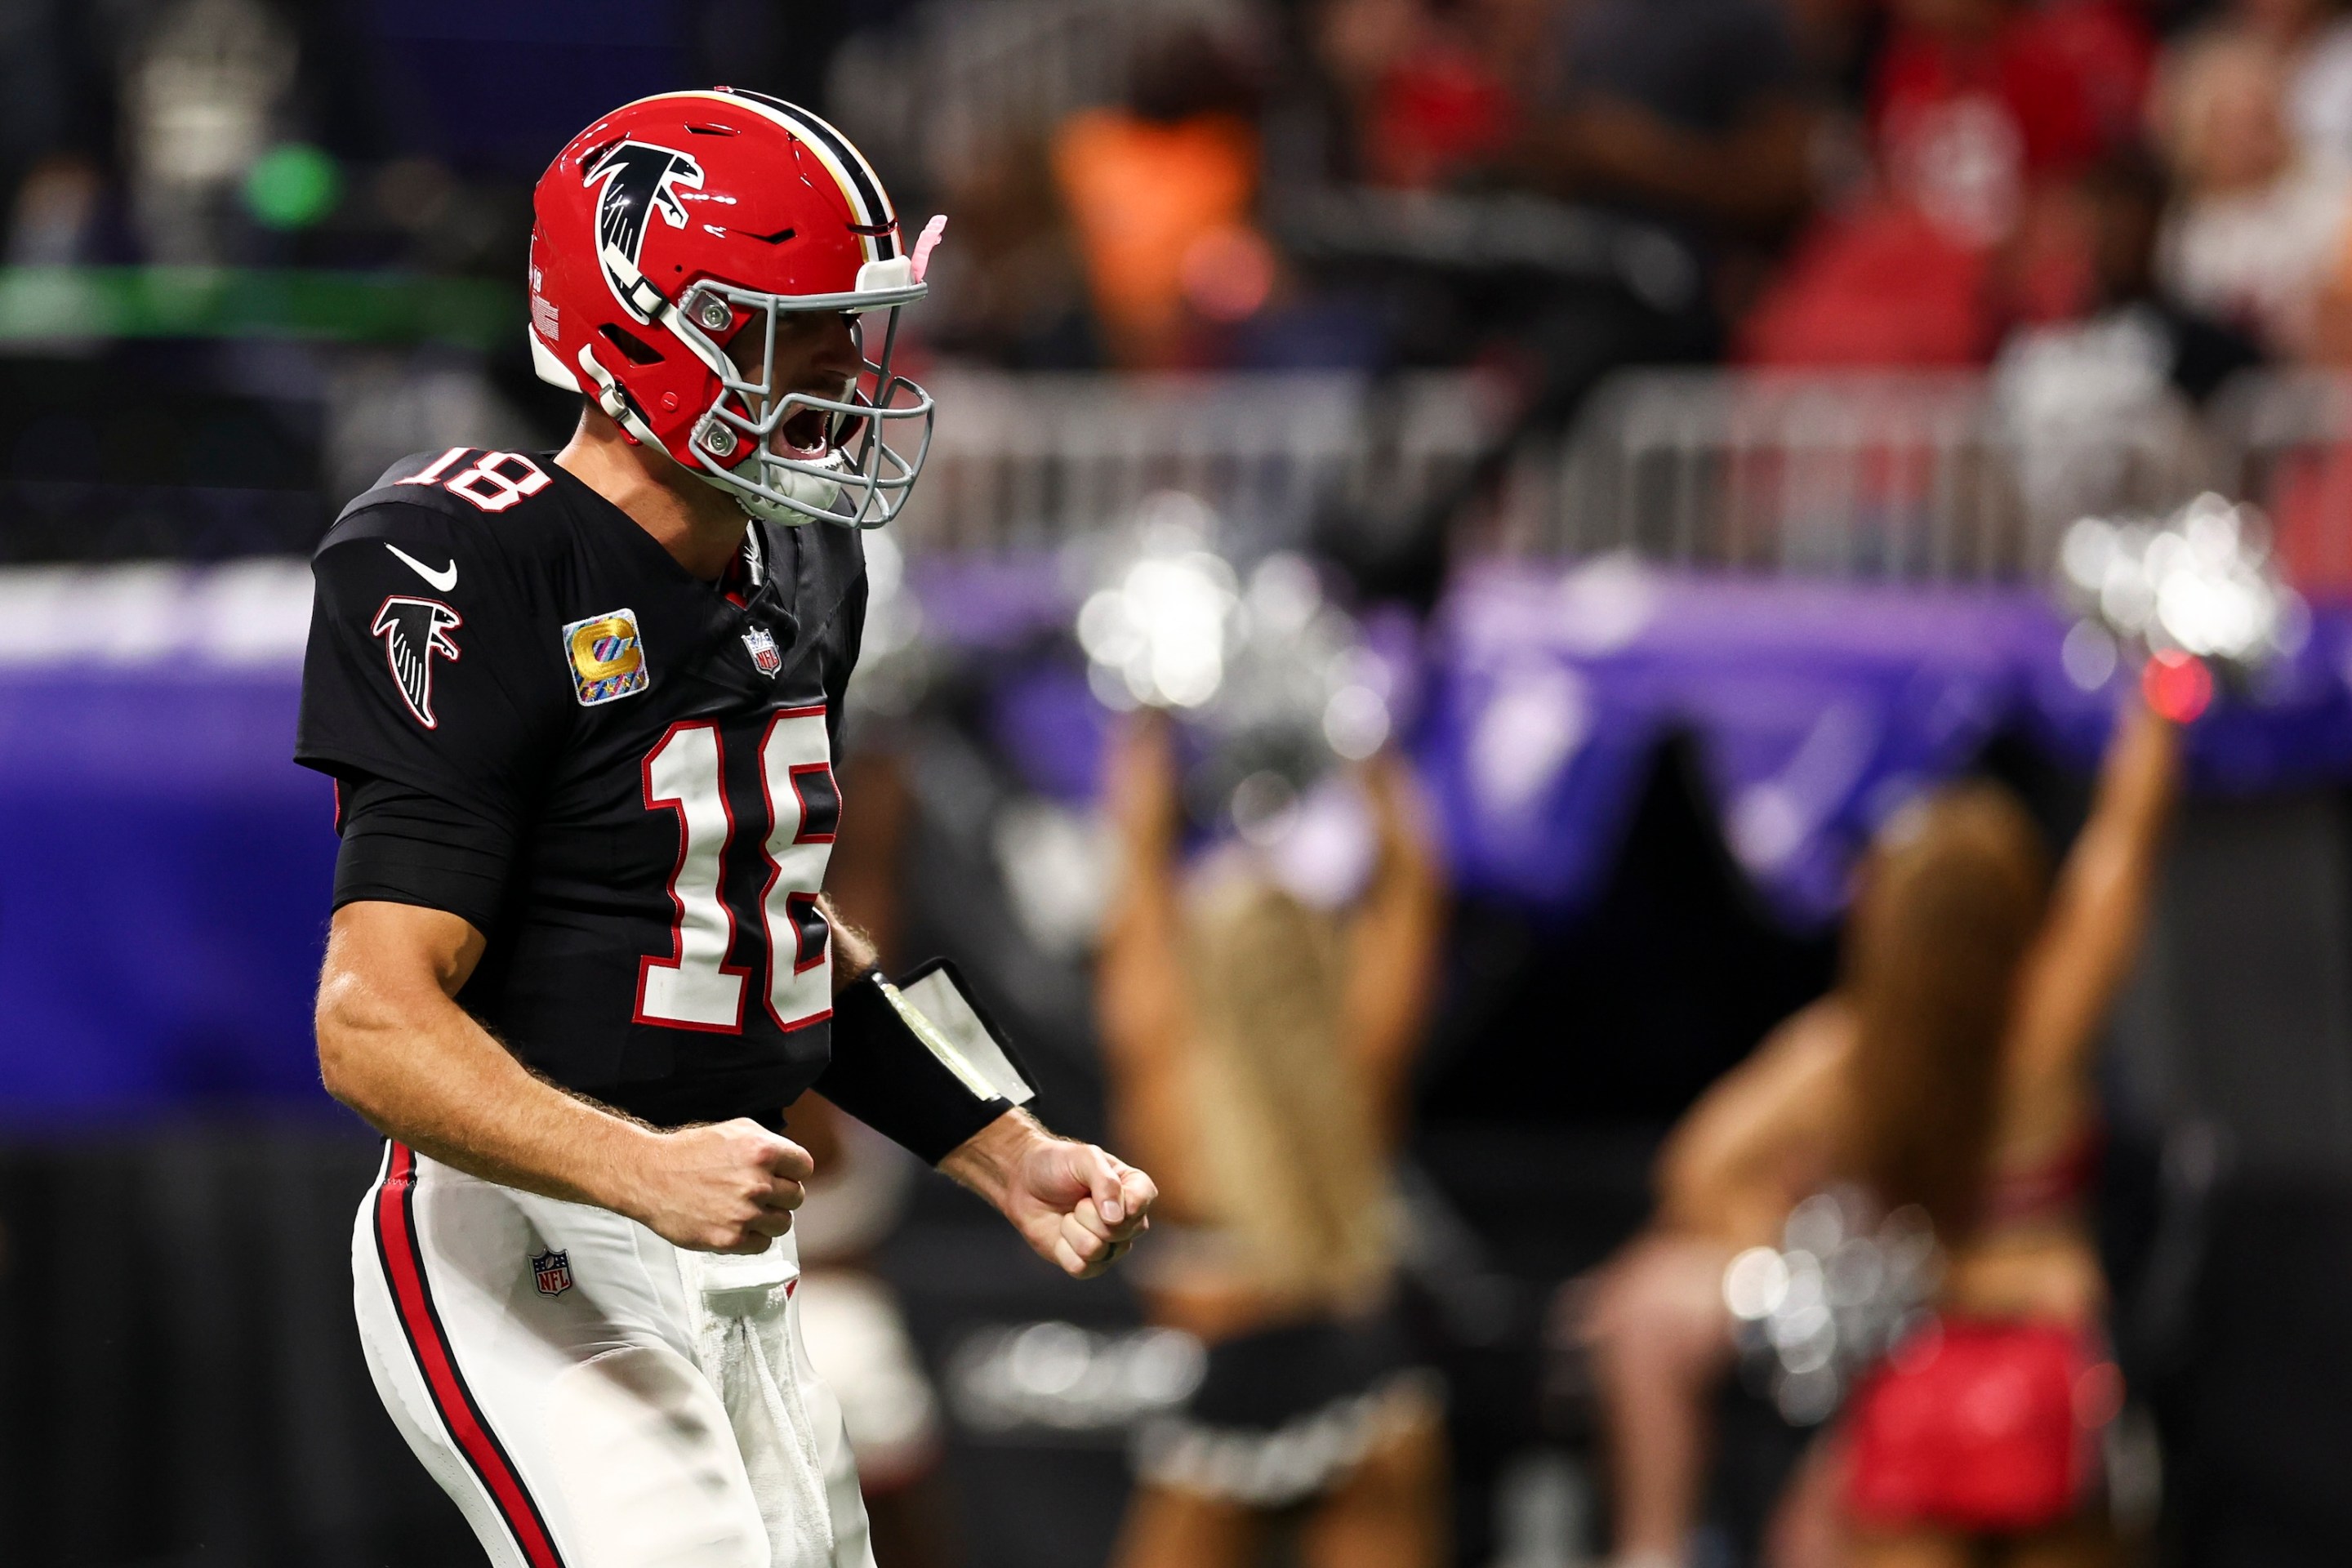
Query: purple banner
(165, 873)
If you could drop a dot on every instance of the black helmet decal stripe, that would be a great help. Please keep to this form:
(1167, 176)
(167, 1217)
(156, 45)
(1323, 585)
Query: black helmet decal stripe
(872, 216)
(638, 179)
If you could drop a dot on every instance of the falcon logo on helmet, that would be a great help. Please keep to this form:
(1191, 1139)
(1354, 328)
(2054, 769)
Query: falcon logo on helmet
(637, 180)
(672, 326)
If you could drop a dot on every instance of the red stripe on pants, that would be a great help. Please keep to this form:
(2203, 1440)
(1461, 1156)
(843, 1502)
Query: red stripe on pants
(403, 1268)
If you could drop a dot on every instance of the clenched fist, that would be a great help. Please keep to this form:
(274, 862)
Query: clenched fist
(731, 1187)
(1078, 1206)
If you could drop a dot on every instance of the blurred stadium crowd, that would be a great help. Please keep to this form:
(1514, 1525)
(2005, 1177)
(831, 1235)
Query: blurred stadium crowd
(1403, 355)
(1215, 185)
(1539, 189)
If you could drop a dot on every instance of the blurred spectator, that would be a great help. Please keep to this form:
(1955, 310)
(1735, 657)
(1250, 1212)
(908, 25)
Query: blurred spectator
(2314, 41)
(1977, 102)
(1981, 114)
(1160, 195)
(1256, 1049)
(1885, 285)
(1676, 134)
(2258, 221)
(1689, 109)
(202, 92)
(1950, 1071)
(2132, 339)
(1429, 90)
(1010, 286)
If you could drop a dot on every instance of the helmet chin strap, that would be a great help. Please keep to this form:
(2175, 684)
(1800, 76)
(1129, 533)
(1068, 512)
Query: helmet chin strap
(615, 400)
(807, 488)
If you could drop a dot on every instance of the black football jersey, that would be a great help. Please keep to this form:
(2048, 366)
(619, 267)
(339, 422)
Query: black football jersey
(488, 630)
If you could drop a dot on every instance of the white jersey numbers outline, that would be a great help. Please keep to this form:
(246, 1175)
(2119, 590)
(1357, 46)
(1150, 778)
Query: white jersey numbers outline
(488, 483)
(803, 809)
(440, 466)
(695, 988)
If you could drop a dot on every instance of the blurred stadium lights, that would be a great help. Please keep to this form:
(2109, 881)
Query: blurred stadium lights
(293, 185)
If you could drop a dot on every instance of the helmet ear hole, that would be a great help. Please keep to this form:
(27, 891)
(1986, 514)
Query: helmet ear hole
(633, 347)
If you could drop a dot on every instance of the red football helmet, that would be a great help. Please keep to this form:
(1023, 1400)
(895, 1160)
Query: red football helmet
(675, 224)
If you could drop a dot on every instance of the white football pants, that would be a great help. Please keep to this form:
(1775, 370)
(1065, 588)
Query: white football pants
(593, 1396)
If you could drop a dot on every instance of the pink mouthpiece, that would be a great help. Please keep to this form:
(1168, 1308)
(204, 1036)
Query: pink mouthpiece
(924, 243)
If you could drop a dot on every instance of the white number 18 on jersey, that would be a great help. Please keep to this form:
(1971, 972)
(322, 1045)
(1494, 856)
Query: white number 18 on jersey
(696, 987)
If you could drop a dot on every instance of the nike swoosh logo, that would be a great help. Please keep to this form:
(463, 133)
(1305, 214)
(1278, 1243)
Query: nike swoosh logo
(444, 580)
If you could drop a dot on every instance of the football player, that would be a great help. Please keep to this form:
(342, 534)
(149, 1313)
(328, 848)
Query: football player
(580, 708)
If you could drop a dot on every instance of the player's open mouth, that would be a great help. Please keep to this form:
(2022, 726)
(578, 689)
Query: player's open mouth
(812, 434)
(803, 435)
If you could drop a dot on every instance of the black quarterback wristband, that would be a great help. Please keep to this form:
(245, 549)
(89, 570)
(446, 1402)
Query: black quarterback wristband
(918, 1063)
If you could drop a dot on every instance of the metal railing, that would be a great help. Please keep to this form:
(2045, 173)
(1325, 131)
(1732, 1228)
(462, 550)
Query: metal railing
(2288, 439)
(1029, 462)
(1949, 477)
(1935, 478)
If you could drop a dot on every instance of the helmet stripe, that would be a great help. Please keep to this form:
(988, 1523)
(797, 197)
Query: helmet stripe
(847, 165)
(861, 188)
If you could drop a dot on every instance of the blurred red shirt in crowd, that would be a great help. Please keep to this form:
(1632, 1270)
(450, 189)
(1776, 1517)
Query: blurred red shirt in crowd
(1968, 117)
(1422, 83)
(1981, 111)
(1433, 113)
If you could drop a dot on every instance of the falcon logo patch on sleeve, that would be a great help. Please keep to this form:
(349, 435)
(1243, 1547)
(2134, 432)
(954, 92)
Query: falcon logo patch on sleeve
(413, 631)
(637, 179)
(607, 656)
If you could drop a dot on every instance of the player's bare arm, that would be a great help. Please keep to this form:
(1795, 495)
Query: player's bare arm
(1079, 1206)
(395, 1048)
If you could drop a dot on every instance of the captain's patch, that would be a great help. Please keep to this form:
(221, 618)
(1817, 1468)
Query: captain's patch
(607, 658)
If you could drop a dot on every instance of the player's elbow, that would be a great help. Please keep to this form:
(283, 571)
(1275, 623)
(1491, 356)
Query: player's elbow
(347, 1026)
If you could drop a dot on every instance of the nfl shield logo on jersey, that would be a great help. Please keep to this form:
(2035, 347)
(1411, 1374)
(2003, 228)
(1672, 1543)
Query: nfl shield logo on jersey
(765, 658)
(553, 1272)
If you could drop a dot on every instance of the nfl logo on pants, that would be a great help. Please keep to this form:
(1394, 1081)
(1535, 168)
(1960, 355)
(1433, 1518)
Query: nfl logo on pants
(553, 1272)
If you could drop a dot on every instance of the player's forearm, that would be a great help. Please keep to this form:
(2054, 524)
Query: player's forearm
(987, 1162)
(419, 1069)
